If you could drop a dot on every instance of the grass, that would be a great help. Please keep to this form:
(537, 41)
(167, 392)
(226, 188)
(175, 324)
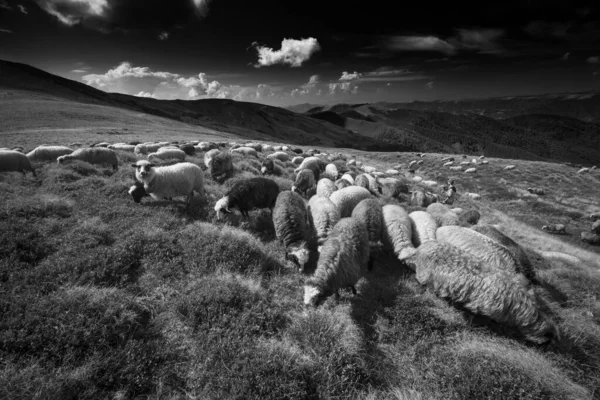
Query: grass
(104, 298)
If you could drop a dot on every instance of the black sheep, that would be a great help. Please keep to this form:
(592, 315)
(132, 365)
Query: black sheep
(248, 194)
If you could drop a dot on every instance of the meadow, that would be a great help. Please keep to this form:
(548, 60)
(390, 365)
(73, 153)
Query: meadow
(104, 298)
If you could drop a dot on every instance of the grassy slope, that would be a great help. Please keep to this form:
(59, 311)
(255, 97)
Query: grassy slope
(101, 297)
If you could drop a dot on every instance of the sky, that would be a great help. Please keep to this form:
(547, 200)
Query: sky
(282, 52)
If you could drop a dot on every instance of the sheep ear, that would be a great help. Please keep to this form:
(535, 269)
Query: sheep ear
(151, 165)
(134, 165)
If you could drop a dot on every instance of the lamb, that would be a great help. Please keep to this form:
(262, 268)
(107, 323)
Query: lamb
(509, 167)
(291, 227)
(246, 151)
(297, 160)
(442, 215)
(123, 147)
(455, 275)
(305, 180)
(208, 156)
(166, 154)
(220, 167)
(555, 228)
(325, 187)
(248, 194)
(595, 216)
(489, 252)
(323, 215)
(423, 227)
(596, 227)
(536, 191)
(348, 198)
(342, 183)
(342, 262)
(279, 155)
(180, 179)
(48, 153)
(370, 214)
(92, 155)
(269, 167)
(397, 233)
(590, 238)
(470, 170)
(470, 217)
(513, 247)
(14, 161)
(392, 187)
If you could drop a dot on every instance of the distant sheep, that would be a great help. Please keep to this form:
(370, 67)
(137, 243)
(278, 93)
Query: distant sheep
(457, 168)
(555, 228)
(596, 227)
(305, 180)
(368, 169)
(297, 160)
(161, 182)
(267, 147)
(456, 276)
(465, 163)
(163, 154)
(470, 170)
(392, 187)
(397, 232)
(449, 163)
(343, 261)
(246, 151)
(348, 198)
(248, 194)
(188, 149)
(485, 162)
(509, 167)
(415, 178)
(392, 172)
(325, 187)
(583, 170)
(332, 172)
(48, 153)
(322, 215)
(279, 155)
(429, 183)
(92, 155)
(473, 196)
(470, 217)
(423, 227)
(442, 215)
(14, 161)
(590, 238)
(595, 216)
(220, 167)
(536, 191)
(292, 228)
(269, 167)
(208, 156)
(370, 214)
(351, 162)
(122, 147)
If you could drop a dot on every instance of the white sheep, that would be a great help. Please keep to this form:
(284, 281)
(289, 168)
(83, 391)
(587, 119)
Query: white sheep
(285, 148)
(442, 215)
(325, 187)
(279, 155)
(246, 151)
(470, 170)
(15, 161)
(349, 178)
(509, 167)
(429, 183)
(457, 210)
(555, 255)
(392, 187)
(392, 172)
(347, 198)
(423, 227)
(267, 147)
(397, 232)
(48, 153)
(368, 169)
(343, 261)
(449, 163)
(297, 160)
(370, 214)
(457, 168)
(314, 163)
(180, 179)
(209, 155)
(368, 182)
(485, 162)
(123, 147)
(331, 170)
(582, 170)
(351, 162)
(92, 155)
(555, 228)
(417, 178)
(473, 196)
(595, 216)
(323, 215)
(465, 163)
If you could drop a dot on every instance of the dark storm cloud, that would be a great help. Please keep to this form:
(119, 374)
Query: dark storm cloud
(108, 15)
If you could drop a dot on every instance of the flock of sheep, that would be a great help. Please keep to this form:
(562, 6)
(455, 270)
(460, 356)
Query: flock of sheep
(336, 220)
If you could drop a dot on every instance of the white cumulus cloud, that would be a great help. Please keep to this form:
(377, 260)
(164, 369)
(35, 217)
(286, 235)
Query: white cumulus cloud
(71, 12)
(145, 94)
(347, 76)
(420, 43)
(293, 52)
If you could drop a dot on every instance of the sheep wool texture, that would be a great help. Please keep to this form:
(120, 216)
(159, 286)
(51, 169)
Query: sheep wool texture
(166, 154)
(348, 198)
(397, 231)
(221, 167)
(48, 153)
(370, 213)
(326, 187)
(279, 155)
(92, 155)
(342, 183)
(442, 214)
(423, 227)
(297, 160)
(248, 194)
(304, 181)
(492, 255)
(122, 147)
(209, 155)
(14, 161)
(246, 151)
(524, 264)
(342, 262)
(392, 187)
(180, 179)
(470, 217)
(455, 275)
(596, 227)
(323, 215)
(332, 171)
(291, 227)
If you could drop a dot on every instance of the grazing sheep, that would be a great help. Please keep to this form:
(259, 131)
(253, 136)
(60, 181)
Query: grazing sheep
(397, 232)
(351, 162)
(392, 187)
(141, 149)
(368, 182)
(292, 228)
(92, 155)
(285, 148)
(447, 159)
(442, 215)
(590, 238)
(422, 199)
(220, 167)
(342, 183)
(513, 247)
(122, 147)
(555, 228)
(313, 163)
(48, 153)
(415, 178)
(473, 196)
(420, 162)
(14, 161)
(255, 146)
(370, 214)
(138, 192)
(305, 180)
(246, 151)
(323, 215)
(331, 170)
(413, 162)
(582, 170)
(449, 163)
(465, 163)
(456, 276)
(595, 216)
(536, 191)
(423, 227)
(266, 147)
(188, 149)
(368, 169)
(596, 227)
(347, 198)
(279, 155)
(343, 261)
(347, 176)
(180, 179)
(166, 154)
(470, 217)
(269, 167)
(429, 183)
(325, 187)
(493, 255)
(457, 168)
(470, 170)
(485, 162)
(248, 194)
(555, 255)
(208, 156)
(509, 167)
(457, 211)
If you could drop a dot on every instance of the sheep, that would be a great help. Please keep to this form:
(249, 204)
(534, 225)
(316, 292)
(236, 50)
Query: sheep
(596, 227)
(420, 198)
(188, 149)
(470, 217)
(220, 167)
(138, 192)
(470, 170)
(370, 214)
(368, 169)
(442, 215)
(255, 146)
(248, 194)
(208, 156)
(14, 161)
(322, 215)
(392, 187)
(123, 147)
(305, 180)
(415, 178)
(269, 167)
(92, 155)
(449, 163)
(457, 211)
(590, 238)
(556, 255)
(343, 261)
(165, 153)
(101, 144)
(347, 198)
(420, 162)
(141, 149)
(348, 177)
(413, 162)
(292, 228)
(246, 151)
(465, 163)
(313, 163)
(595, 216)
(485, 162)
(351, 162)
(473, 196)
(325, 187)
(266, 147)
(493, 255)
(429, 183)
(457, 168)
(397, 233)
(205, 146)
(368, 182)
(297, 160)
(423, 227)
(285, 148)
(536, 191)
(474, 161)
(48, 153)
(169, 181)
(509, 167)
(445, 159)
(582, 170)
(555, 228)
(331, 170)
(456, 276)
(342, 183)
(279, 155)
(513, 247)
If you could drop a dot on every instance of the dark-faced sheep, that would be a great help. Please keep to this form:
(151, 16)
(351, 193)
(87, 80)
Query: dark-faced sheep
(220, 166)
(305, 180)
(248, 194)
(269, 167)
(14, 161)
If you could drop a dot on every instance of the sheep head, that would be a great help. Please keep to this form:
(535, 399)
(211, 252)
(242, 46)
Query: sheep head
(222, 207)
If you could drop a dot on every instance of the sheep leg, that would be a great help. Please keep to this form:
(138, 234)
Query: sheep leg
(371, 263)
(337, 295)
(353, 290)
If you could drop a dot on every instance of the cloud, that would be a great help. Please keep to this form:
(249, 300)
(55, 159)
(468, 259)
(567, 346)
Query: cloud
(145, 94)
(594, 60)
(79, 71)
(109, 15)
(429, 85)
(4, 5)
(22, 9)
(382, 74)
(484, 41)
(309, 88)
(5, 31)
(350, 76)
(293, 52)
(565, 57)
(163, 36)
(420, 43)
(542, 29)
(314, 79)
